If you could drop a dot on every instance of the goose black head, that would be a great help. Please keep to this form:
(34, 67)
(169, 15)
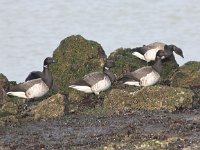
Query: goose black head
(160, 54)
(177, 50)
(48, 61)
(109, 64)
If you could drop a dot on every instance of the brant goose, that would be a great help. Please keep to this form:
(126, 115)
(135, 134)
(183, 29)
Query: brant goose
(96, 82)
(148, 52)
(38, 74)
(36, 87)
(145, 76)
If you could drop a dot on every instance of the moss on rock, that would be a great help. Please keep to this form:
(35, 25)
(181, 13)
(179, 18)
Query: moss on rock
(4, 113)
(4, 83)
(75, 58)
(4, 86)
(151, 144)
(10, 107)
(125, 61)
(149, 98)
(8, 120)
(188, 75)
(52, 107)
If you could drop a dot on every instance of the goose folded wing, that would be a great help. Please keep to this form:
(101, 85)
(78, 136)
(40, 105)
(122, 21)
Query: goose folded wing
(128, 77)
(138, 74)
(140, 50)
(23, 87)
(34, 75)
(94, 77)
(157, 45)
(80, 82)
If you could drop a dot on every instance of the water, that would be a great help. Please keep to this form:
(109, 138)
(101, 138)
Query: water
(31, 30)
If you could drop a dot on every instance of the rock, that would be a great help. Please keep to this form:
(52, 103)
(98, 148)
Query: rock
(125, 61)
(149, 98)
(3, 96)
(52, 107)
(4, 86)
(151, 144)
(10, 107)
(4, 82)
(4, 113)
(75, 58)
(8, 120)
(187, 76)
(2, 123)
(196, 97)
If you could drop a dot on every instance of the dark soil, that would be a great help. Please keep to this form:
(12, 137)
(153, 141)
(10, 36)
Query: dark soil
(121, 131)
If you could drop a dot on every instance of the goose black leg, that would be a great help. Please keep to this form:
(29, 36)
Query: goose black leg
(26, 108)
(100, 98)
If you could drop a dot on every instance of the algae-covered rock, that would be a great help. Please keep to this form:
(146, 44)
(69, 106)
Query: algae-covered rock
(169, 143)
(8, 120)
(188, 75)
(3, 96)
(75, 57)
(10, 107)
(4, 86)
(151, 144)
(149, 98)
(52, 107)
(4, 83)
(125, 61)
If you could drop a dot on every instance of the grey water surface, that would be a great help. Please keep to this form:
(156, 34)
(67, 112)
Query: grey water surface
(31, 30)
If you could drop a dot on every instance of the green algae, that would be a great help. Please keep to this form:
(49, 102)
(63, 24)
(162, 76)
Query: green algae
(4, 113)
(125, 61)
(149, 98)
(187, 76)
(52, 107)
(151, 144)
(4, 84)
(10, 107)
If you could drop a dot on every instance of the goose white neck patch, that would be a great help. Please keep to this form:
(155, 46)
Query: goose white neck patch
(106, 68)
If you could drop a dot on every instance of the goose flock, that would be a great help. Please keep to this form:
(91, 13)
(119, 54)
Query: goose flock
(39, 83)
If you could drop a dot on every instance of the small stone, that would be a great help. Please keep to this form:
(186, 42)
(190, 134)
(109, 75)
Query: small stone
(10, 107)
(10, 119)
(51, 107)
(187, 76)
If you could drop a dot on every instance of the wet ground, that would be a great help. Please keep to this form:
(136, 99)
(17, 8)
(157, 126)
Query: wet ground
(136, 130)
